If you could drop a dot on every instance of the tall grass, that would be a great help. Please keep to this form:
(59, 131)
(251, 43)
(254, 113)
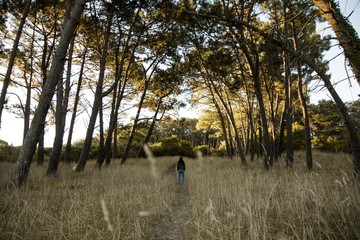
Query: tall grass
(280, 204)
(225, 200)
(71, 205)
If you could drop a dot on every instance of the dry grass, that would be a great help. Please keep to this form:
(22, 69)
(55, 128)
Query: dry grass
(225, 201)
(69, 206)
(281, 204)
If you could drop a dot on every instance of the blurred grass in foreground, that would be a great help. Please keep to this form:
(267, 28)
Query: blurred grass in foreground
(226, 201)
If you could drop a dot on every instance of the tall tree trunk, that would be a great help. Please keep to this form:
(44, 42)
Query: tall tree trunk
(47, 52)
(282, 131)
(40, 153)
(253, 137)
(309, 160)
(229, 113)
(320, 70)
(59, 130)
(62, 100)
(268, 158)
(134, 127)
(289, 117)
(349, 121)
(117, 97)
(345, 33)
(141, 152)
(21, 171)
(115, 145)
(223, 126)
(101, 132)
(230, 138)
(288, 95)
(252, 60)
(13, 56)
(97, 100)
(67, 154)
(302, 98)
(27, 110)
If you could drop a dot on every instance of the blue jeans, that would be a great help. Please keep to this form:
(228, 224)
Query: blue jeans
(181, 174)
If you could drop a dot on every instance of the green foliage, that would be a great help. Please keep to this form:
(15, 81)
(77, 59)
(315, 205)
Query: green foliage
(220, 151)
(173, 146)
(329, 133)
(186, 149)
(76, 149)
(7, 152)
(204, 149)
(298, 137)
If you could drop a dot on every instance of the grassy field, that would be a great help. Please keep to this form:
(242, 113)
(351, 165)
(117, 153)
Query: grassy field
(223, 201)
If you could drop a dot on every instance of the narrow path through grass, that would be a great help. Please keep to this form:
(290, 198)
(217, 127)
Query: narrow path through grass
(174, 224)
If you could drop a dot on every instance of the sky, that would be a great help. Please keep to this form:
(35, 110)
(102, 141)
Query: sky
(348, 89)
(11, 130)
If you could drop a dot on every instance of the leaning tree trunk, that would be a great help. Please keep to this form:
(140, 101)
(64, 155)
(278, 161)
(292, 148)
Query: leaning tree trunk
(229, 113)
(12, 57)
(21, 171)
(67, 154)
(309, 161)
(344, 31)
(62, 100)
(97, 101)
(27, 109)
(302, 98)
(223, 127)
(59, 130)
(350, 123)
(141, 152)
(40, 153)
(253, 62)
(118, 96)
(134, 128)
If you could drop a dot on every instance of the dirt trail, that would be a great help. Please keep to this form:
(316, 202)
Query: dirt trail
(174, 225)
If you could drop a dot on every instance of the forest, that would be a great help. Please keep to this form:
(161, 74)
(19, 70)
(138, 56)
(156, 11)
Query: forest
(247, 62)
(262, 161)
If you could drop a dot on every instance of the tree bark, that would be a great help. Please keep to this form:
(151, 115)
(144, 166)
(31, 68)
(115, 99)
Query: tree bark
(40, 153)
(344, 31)
(59, 130)
(21, 171)
(62, 99)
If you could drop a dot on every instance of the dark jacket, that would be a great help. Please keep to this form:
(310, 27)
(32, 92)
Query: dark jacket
(181, 164)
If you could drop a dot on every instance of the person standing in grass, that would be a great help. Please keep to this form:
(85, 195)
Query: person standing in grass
(181, 170)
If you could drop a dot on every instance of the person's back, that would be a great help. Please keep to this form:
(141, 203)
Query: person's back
(181, 170)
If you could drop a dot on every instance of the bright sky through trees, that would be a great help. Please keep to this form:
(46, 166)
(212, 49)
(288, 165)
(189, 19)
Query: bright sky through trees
(348, 89)
(12, 128)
